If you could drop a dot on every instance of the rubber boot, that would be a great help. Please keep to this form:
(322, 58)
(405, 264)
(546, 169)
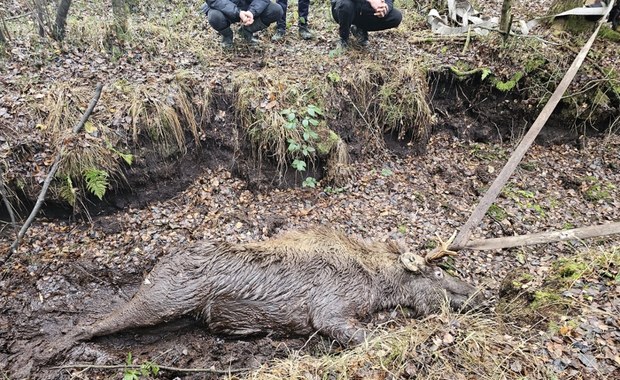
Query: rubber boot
(304, 32)
(248, 31)
(360, 34)
(227, 38)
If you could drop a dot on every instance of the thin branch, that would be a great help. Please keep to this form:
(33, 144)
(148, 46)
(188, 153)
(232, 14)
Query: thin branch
(173, 369)
(50, 176)
(18, 16)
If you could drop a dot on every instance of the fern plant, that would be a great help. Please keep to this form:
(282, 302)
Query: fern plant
(68, 192)
(96, 181)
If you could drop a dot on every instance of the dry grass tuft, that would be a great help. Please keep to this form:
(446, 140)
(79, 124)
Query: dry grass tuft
(403, 101)
(444, 346)
(338, 168)
(392, 102)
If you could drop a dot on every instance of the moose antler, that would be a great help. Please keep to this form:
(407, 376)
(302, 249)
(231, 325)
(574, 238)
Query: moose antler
(442, 250)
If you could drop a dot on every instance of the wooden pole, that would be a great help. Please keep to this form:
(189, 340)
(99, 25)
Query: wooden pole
(516, 157)
(545, 237)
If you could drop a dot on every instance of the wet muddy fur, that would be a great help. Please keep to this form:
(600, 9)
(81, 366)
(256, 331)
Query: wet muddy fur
(296, 284)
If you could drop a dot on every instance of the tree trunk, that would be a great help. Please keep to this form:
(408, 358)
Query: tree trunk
(61, 20)
(40, 15)
(120, 11)
(506, 20)
(3, 40)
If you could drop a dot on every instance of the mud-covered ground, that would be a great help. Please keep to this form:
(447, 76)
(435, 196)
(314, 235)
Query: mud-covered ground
(73, 272)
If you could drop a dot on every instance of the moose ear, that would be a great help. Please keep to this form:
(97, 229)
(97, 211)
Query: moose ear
(412, 262)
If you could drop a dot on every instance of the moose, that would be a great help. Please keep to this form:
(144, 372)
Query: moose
(302, 282)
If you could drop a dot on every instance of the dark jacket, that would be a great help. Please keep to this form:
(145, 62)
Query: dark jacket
(231, 8)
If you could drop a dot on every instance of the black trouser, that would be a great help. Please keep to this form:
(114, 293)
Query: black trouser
(346, 14)
(302, 9)
(219, 21)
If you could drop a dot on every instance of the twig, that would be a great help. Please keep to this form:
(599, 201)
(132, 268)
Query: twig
(50, 176)
(173, 369)
(499, 182)
(18, 16)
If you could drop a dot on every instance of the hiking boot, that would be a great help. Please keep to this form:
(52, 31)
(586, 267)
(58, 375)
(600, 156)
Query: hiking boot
(342, 45)
(227, 38)
(279, 35)
(360, 34)
(305, 33)
(248, 36)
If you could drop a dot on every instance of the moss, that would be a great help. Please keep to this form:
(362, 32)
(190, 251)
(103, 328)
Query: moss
(496, 212)
(533, 64)
(510, 84)
(570, 269)
(545, 299)
(597, 190)
(325, 145)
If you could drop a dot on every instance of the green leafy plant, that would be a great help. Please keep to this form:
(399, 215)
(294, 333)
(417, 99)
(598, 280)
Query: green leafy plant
(96, 181)
(309, 182)
(304, 122)
(386, 172)
(146, 369)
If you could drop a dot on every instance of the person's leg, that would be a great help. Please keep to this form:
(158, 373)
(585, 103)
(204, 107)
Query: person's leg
(303, 7)
(273, 13)
(343, 12)
(221, 24)
(218, 20)
(372, 23)
(281, 25)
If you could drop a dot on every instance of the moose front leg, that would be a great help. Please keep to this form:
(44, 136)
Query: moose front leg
(348, 332)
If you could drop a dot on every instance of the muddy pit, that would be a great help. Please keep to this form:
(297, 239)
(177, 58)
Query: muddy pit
(72, 271)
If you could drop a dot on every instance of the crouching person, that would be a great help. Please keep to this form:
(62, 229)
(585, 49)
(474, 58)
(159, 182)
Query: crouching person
(358, 17)
(253, 15)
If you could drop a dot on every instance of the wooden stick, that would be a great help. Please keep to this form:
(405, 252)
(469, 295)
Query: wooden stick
(50, 176)
(516, 157)
(167, 368)
(545, 237)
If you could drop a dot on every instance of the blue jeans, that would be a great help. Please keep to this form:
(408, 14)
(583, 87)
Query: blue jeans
(303, 7)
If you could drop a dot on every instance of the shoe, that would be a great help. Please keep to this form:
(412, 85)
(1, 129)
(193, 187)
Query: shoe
(227, 38)
(278, 35)
(360, 34)
(342, 45)
(248, 36)
(305, 33)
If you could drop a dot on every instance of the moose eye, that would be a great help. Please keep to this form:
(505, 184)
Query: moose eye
(438, 273)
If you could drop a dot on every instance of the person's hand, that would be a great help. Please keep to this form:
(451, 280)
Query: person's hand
(247, 18)
(380, 6)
